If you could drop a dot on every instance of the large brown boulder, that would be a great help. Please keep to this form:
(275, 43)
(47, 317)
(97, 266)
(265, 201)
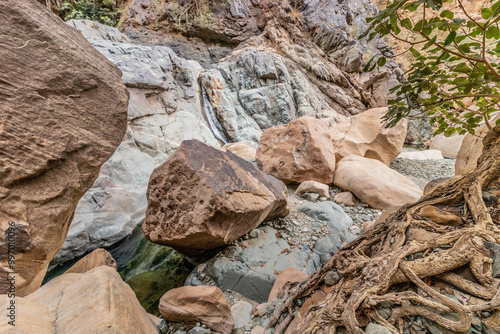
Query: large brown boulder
(202, 198)
(97, 301)
(374, 183)
(63, 113)
(191, 304)
(298, 151)
(365, 135)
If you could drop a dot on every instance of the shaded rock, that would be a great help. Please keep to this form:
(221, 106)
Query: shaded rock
(367, 226)
(297, 152)
(365, 135)
(421, 155)
(242, 313)
(72, 297)
(449, 146)
(203, 198)
(243, 149)
(495, 254)
(313, 187)
(60, 123)
(429, 187)
(346, 198)
(421, 235)
(289, 275)
(374, 183)
(191, 304)
(164, 110)
(99, 257)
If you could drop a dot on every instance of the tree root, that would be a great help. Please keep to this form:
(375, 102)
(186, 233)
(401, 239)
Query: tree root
(384, 266)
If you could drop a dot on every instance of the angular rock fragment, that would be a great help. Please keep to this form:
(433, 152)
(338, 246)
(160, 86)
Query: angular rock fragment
(99, 257)
(202, 198)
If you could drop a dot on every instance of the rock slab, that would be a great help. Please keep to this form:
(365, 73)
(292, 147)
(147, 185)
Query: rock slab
(375, 184)
(202, 198)
(63, 113)
(298, 151)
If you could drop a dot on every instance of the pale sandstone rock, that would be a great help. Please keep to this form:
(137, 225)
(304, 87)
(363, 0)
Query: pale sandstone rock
(289, 275)
(64, 116)
(202, 198)
(191, 304)
(365, 135)
(97, 301)
(449, 146)
(242, 313)
(346, 198)
(375, 184)
(99, 257)
(30, 317)
(313, 187)
(243, 149)
(298, 151)
(367, 226)
(422, 155)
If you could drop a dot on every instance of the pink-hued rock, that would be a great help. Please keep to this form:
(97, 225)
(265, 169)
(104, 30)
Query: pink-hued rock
(449, 146)
(289, 275)
(374, 183)
(365, 135)
(191, 304)
(202, 198)
(243, 149)
(298, 151)
(346, 198)
(313, 187)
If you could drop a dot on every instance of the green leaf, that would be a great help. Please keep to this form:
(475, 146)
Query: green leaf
(450, 38)
(493, 32)
(430, 42)
(381, 61)
(447, 14)
(415, 53)
(407, 23)
(486, 13)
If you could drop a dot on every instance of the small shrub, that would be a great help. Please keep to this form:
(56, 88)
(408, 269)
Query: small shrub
(102, 11)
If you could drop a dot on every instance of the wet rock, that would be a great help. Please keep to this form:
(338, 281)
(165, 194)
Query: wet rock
(205, 304)
(203, 198)
(60, 123)
(297, 152)
(374, 183)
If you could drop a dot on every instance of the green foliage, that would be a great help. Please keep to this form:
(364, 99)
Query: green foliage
(455, 74)
(102, 11)
(188, 14)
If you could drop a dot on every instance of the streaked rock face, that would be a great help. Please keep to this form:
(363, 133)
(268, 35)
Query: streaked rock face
(202, 198)
(63, 113)
(298, 151)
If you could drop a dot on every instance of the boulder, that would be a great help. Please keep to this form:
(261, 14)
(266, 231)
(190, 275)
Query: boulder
(34, 318)
(99, 257)
(97, 301)
(243, 149)
(202, 198)
(346, 198)
(323, 190)
(365, 135)
(375, 184)
(63, 114)
(449, 146)
(289, 275)
(298, 151)
(164, 110)
(422, 155)
(242, 313)
(191, 304)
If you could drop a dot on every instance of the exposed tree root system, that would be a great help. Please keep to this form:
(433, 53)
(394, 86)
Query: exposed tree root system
(388, 264)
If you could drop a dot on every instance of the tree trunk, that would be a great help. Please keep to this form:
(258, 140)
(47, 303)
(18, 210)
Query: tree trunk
(374, 265)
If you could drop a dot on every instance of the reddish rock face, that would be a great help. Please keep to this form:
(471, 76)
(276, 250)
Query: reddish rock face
(298, 151)
(205, 304)
(202, 198)
(63, 113)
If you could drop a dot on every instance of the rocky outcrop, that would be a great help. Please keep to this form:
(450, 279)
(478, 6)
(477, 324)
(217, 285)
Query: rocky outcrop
(164, 110)
(97, 301)
(291, 60)
(191, 304)
(297, 152)
(99, 257)
(374, 183)
(366, 135)
(63, 114)
(203, 198)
